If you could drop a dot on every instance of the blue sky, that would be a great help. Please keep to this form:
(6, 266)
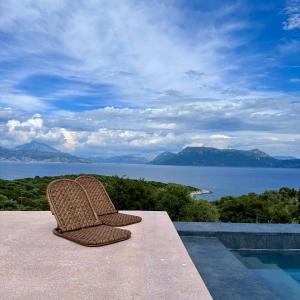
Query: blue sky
(100, 77)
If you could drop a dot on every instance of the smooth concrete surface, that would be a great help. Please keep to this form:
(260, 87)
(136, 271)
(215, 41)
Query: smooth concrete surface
(152, 264)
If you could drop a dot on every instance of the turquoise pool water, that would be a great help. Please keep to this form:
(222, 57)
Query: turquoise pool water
(280, 270)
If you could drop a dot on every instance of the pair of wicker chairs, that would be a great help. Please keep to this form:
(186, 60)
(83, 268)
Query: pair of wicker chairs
(85, 213)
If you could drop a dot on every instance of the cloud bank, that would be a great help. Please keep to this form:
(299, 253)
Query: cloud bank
(101, 77)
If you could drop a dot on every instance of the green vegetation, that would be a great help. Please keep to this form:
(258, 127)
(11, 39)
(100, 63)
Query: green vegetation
(30, 194)
(200, 211)
(282, 206)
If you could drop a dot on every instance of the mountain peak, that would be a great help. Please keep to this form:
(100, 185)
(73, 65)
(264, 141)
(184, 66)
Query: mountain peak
(159, 159)
(167, 153)
(38, 152)
(258, 152)
(36, 146)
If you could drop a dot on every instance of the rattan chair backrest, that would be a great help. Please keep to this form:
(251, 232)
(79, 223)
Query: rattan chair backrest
(70, 205)
(98, 196)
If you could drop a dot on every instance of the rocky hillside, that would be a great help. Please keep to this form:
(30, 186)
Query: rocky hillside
(205, 156)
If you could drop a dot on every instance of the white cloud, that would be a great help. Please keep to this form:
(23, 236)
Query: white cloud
(19, 132)
(23, 102)
(24, 131)
(240, 124)
(71, 139)
(293, 15)
(173, 87)
(7, 113)
(220, 136)
(136, 46)
(33, 123)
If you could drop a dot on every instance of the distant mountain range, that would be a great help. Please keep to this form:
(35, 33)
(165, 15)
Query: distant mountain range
(206, 156)
(189, 156)
(123, 159)
(38, 152)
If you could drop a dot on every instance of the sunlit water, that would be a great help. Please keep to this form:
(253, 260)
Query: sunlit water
(221, 181)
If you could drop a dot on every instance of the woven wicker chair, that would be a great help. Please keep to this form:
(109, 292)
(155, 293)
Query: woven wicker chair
(76, 219)
(103, 205)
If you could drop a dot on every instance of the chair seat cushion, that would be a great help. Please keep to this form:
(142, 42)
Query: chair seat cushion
(95, 236)
(119, 219)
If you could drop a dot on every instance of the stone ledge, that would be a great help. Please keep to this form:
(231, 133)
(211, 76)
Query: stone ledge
(213, 227)
(245, 236)
(153, 264)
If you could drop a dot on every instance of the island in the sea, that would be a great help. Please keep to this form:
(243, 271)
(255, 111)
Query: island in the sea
(207, 156)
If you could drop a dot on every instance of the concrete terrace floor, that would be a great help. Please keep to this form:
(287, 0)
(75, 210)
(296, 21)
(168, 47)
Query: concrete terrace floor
(152, 264)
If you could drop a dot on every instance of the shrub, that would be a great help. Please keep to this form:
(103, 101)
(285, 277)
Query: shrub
(6, 204)
(172, 198)
(200, 211)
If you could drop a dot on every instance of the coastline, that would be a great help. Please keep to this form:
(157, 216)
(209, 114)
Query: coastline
(199, 192)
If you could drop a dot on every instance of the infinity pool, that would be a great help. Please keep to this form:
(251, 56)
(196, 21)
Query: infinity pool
(245, 261)
(280, 270)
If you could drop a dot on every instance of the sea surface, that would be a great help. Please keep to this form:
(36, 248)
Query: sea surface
(222, 181)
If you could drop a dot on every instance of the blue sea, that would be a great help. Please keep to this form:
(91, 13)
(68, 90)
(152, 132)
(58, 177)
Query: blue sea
(222, 181)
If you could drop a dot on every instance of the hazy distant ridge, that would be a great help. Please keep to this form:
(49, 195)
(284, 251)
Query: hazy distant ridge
(126, 159)
(38, 152)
